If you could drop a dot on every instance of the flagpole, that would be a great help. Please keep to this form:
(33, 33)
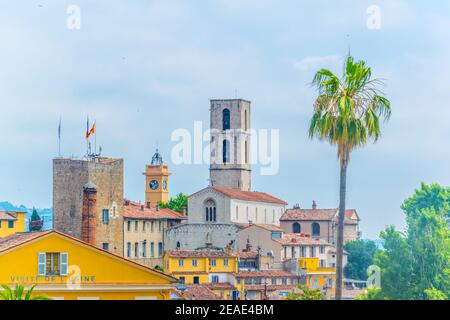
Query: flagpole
(95, 137)
(59, 138)
(87, 140)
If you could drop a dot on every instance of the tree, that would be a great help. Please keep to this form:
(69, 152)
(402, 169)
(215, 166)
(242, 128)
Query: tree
(36, 222)
(305, 293)
(415, 264)
(347, 113)
(360, 257)
(176, 203)
(18, 293)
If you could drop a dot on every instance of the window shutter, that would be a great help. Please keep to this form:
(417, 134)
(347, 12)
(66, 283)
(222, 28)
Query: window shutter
(63, 261)
(41, 264)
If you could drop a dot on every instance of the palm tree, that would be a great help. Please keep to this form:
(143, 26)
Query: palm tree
(18, 293)
(347, 113)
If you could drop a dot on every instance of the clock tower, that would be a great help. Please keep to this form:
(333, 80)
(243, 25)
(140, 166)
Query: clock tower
(156, 181)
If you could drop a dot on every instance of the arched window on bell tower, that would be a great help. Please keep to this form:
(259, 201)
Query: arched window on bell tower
(210, 211)
(226, 119)
(225, 151)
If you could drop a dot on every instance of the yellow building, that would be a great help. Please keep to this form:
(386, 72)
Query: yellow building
(156, 181)
(143, 233)
(11, 222)
(317, 276)
(64, 267)
(209, 267)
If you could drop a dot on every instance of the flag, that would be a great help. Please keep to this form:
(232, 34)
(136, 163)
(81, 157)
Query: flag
(90, 131)
(87, 128)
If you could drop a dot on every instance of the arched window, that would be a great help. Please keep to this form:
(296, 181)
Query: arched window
(226, 119)
(235, 154)
(225, 151)
(245, 120)
(246, 152)
(178, 245)
(296, 228)
(315, 229)
(210, 211)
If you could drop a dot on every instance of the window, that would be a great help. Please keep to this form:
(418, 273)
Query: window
(180, 262)
(303, 252)
(322, 263)
(10, 224)
(152, 249)
(52, 264)
(313, 252)
(296, 228)
(225, 151)
(105, 246)
(245, 120)
(213, 262)
(210, 211)
(160, 249)
(178, 245)
(105, 216)
(128, 249)
(293, 253)
(143, 226)
(322, 249)
(144, 249)
(152, 226)
(215, 279)
(159, 226)
(136, 250)
(128, 225)
(315, 229)
(196, 280)
(226, 119)
(246, 152)
(276, 235)
(225, 262)
(182, 280)
(274, 281)
(248, 281)
(136, 225)
(194, 262)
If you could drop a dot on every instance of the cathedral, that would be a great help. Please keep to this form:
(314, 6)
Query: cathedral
(219, 211)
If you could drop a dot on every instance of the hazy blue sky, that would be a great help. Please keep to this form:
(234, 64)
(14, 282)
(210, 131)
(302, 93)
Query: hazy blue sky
(145, 68)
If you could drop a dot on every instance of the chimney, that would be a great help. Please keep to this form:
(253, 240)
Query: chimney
(184, 211)
(127, 202)
(314, 205)
(157, 207)
(148, 205)
(88, 214)
(142, 207)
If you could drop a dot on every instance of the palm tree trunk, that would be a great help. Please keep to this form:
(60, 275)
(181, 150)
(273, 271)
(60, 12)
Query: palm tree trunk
(340, 232)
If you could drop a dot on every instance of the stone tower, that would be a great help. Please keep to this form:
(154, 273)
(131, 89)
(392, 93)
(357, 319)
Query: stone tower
(156, 181)
(70, 177)
(230, 144)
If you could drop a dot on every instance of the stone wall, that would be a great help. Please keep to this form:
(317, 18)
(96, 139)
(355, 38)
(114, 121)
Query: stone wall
(69, 177)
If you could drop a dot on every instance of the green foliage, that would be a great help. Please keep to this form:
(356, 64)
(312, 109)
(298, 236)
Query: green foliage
(18, 293)
(348, 111)
(360, 257)
(434, 294)
(35, 216)
(416, 265)
(158, 268)
(305, 293)
(176, 203)
(371, 294)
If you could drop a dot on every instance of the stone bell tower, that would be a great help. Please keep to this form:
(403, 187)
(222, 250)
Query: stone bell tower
(156, 181)
(230, 144)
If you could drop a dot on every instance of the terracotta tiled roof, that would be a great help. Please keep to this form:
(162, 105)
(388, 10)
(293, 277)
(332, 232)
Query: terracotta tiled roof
(135, 210)
(298, 238)
(316, 214)
(264, 274)
(275, 287)
(247, 254)
(196, 292)
(269, 227)
(19, 238)
(220, 286)
(6, 216)
(249, 195)
(198, 254)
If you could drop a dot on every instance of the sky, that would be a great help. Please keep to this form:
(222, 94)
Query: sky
(143, 69)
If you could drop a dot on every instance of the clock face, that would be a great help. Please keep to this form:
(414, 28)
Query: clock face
(154, 184)
(165, 184)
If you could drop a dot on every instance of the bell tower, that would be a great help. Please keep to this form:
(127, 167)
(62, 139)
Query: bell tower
(230, 144)
(156, 181)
